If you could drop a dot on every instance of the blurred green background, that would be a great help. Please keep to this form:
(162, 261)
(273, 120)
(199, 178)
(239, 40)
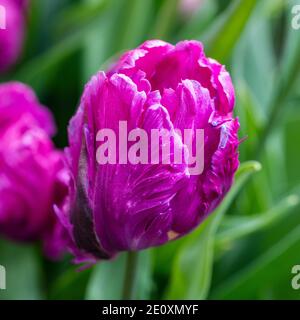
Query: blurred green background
(247, 248)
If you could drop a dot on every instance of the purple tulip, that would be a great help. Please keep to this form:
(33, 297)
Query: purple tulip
(133, 206)
(12, 15)
(32, 174)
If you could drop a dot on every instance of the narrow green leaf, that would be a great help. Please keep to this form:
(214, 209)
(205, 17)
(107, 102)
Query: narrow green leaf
(107, 279)
(135, 19)
(226, 32)
(199, 22)
(192, 269)
(289, 70)
(100, 42)
(236, 227)
(144, 283)
(63, 288)
(257, 65)
(272, 269)
(38, 71)
(165, 19)
(292, 153)
(23, 273)
(78, 16)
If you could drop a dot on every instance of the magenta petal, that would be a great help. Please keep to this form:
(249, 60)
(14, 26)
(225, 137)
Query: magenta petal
(145, 58)
(189, 105)
(224, 163)
(11, 38)
(133, 199)
(222, 86)
(17, 99)
(165, 66)
(30, 168)
(125, 206)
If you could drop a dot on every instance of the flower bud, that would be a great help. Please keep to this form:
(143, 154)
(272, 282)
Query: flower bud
(32, 174)
(123, 200)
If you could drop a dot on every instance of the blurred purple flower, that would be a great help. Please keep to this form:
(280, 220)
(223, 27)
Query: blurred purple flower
(113, 208)
(32, 174)
(11, 38)
(188, 7)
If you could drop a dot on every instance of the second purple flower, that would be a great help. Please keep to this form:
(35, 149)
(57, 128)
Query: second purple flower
(12, 30)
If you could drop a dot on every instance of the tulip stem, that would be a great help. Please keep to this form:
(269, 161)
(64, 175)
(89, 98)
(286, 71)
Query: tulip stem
(130, 275)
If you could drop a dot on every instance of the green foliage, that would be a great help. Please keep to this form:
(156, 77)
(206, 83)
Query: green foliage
(228, 28)
(192, 269)
(24, 279)
(107, 279)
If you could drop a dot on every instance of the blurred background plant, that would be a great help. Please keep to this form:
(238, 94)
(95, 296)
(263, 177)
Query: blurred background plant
(247, 248)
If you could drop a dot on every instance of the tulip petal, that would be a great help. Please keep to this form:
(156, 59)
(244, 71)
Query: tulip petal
(17, 99)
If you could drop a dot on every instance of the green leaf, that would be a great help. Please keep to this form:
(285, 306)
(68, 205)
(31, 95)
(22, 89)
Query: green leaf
(100, 42)
(192, 269)
(235, 227)
(289, 71)
(38, 71)
(78, 16)
(268, 273)
(23, 273)
(292, 153)
(144, 284)
(250, 118)
(199, 21)
(227, 30)
(292, 42)
(135, 18)
(257, 65)
(107, 279)
(71, 285)
(165, 19)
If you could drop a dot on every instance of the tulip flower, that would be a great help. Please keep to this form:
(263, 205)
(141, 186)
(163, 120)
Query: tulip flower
(12, 15)
(32, 174)
(123, 200)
